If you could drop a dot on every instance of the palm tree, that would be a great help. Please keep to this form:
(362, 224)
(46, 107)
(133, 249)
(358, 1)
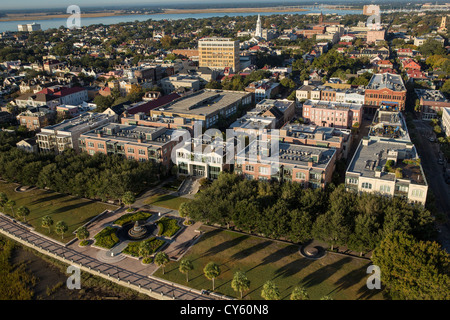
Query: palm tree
(161, 259)
(11, 204)
(299, 293)
(270, 291)
(61, 228)
(212, 271)
(240, 282)
(145, 249)
(82, 233)
(186, 266)
(23, 212)
(47, 222)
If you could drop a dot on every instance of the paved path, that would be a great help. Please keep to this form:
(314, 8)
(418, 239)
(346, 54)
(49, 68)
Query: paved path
(137, 274)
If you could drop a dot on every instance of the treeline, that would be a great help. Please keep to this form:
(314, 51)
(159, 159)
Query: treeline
(287, 211)
(96, 177)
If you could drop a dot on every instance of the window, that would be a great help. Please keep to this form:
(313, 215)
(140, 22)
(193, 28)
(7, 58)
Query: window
(352, 181)
(130, 150)
(249, 168)
(417, 193)
(101, 146)
(263, 170)
(385, 189)
(91, 144)
(300, 175)
(142, 151)
(366, 185)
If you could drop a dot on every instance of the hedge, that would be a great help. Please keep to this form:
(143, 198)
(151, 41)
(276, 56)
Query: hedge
(132, 217)
(106, 238)
(167, 227)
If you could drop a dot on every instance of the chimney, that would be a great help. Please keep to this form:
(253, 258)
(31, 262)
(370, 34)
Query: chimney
(306, 82)
(310, 163)
(365, 141)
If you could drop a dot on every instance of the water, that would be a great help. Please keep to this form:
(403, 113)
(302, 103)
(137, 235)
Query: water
(56, 23)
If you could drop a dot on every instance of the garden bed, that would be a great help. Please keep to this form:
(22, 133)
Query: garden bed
(106, 238)
(132, 217)
(133, 247)
(167, 227)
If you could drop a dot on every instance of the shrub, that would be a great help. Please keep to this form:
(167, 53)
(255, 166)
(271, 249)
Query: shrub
(133, 247)
(147, 260)
(167, 227)
(106, 238)
(84, 243)
(132, 217)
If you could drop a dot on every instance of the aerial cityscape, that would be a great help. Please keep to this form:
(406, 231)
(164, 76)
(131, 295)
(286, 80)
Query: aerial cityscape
(208, 153)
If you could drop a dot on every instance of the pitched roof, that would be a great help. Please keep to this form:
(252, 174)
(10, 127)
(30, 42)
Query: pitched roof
(146, 107)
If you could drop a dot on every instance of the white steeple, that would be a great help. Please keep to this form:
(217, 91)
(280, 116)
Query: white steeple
(258, 31)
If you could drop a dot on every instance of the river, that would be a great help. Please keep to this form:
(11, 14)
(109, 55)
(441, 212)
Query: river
(58, 22)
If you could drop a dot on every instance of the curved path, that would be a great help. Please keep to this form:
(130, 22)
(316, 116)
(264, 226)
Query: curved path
(164, 290)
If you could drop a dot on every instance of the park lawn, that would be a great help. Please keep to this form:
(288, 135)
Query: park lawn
(75, 212)
(341, 277)
(166, 201)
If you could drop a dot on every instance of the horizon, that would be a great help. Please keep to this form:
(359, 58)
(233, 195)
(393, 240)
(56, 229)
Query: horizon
(30, 5)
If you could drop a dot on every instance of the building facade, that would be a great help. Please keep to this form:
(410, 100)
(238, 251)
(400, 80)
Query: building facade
(219, 53)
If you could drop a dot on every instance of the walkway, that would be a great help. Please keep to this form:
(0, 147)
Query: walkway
(134, 277)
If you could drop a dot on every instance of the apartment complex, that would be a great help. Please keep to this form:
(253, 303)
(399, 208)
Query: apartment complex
(65, 135)
(141, 119)
(386, 89)
(267, 114)
(312, 135)
(431, 102)
(310, 166)
(329, 93)
(205, 106)
(446, 121)
(219, 53)
(133, 142)
(388, 167)
(332, 114)
(36, 118)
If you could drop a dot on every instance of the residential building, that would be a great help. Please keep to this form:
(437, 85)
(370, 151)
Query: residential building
(332, 114)
(173, 83)
(446, 121)
(386, 89)
(431, 102)
(263, 89)
(28, 145)
(310, 166)
(133, 142)
(35, 118)
(388, 167)
(374, 36)
(267, 114)
(219, 53)
(389, 123)
(30, 27)
(64, 135)
(313, 135)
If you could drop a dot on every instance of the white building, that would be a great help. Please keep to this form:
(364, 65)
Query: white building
(446, 121)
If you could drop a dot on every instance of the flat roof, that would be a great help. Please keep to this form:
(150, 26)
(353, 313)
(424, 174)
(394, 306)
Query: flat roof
(203, 102)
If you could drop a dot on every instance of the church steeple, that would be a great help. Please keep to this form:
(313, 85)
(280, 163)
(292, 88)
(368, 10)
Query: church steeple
(321, 17)
(258, 31)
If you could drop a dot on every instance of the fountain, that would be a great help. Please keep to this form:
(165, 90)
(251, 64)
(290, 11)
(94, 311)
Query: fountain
(137, 232)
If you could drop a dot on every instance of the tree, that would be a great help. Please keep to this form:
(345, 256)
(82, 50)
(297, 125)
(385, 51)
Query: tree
(47, 222)
(3, 199)
(82, 233)
(61, 228)
(270, 291)
(413, 269)
(212, 271)
(145, 249)
(326, 298)
(186, 266)
(299, 293)
(23, 212)
(128, 199)
(162, 259)
(240, 282)
(10, 204)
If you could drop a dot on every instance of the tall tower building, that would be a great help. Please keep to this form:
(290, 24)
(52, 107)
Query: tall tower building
(258, 31)
(443, 27)
(219, 53)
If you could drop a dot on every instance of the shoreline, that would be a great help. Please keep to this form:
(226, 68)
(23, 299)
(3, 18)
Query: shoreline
(40, 16)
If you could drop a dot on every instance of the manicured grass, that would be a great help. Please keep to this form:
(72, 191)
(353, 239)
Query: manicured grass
(73, 211)
(106, 238)
(132, 217)
(133, 247)
(173, 185)
(167, 227)
(166, 201)
(342, 278)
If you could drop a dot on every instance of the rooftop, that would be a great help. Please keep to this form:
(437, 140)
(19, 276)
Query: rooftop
(386, 80)
(333, 105)
(430, 95)
(371, 159)
(389, 123)
(70, 125)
